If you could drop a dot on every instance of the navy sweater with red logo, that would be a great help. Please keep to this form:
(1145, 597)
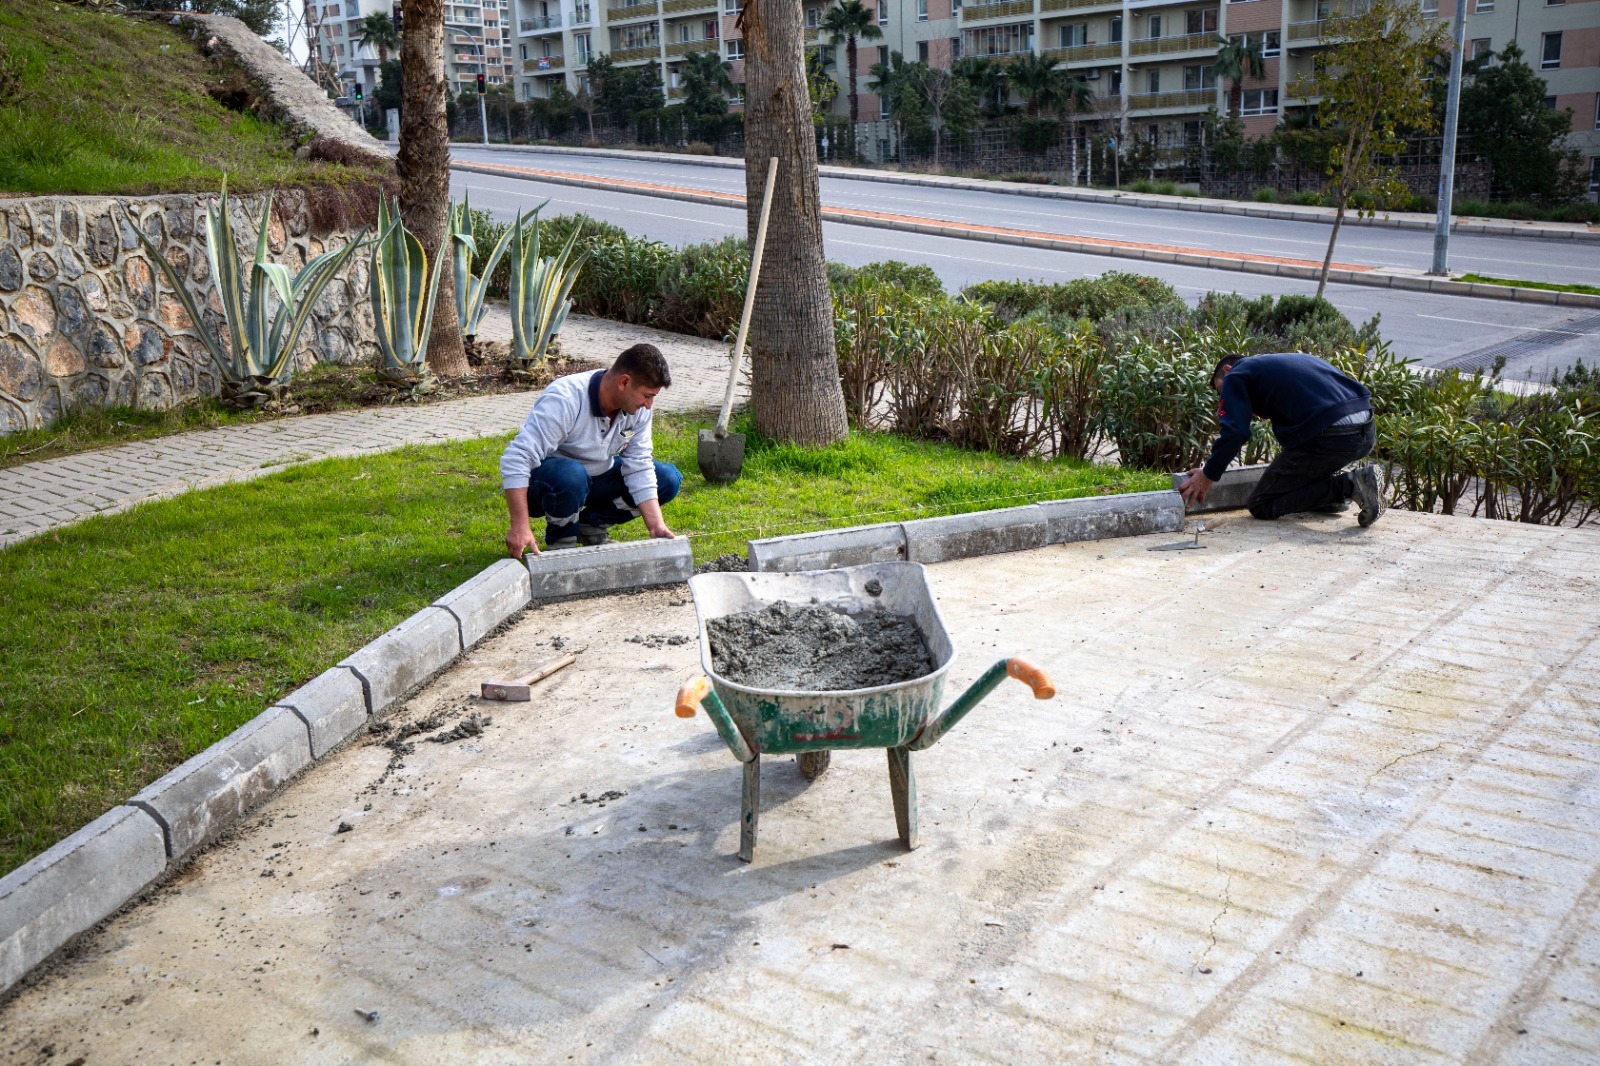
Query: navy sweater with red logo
(1299, 394)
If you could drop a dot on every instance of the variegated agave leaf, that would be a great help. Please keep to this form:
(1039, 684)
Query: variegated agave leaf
(540, 287)
(306, 290)
(402, 298)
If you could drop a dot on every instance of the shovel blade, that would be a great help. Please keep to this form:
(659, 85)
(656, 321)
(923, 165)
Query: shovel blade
(720, 458)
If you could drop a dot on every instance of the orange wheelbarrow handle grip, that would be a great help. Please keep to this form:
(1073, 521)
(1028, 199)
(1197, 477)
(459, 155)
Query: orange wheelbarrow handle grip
(689, 696)
(1032, 676)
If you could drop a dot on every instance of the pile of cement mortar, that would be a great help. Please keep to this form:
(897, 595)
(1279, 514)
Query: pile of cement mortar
(817, 649)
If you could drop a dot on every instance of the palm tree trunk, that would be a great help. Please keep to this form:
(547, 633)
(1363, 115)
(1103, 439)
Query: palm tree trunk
(855, 107)
(423, 165)
(795, 391)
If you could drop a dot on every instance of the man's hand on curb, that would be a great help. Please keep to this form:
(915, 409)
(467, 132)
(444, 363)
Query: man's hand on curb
(521, 540)
(1194, 490)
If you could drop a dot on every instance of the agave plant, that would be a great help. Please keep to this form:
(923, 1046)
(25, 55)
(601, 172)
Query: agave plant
(403, 293)
(261, 338)
(539, 294)
(470, 289)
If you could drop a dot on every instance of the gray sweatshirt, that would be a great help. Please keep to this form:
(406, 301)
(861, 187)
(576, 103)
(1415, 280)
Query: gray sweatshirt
(566, 420)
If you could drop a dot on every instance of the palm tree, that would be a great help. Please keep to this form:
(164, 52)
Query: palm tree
(704, 73)
(1236, 60)
(844, 24)
(377, 30)
(991, 81)
(1040, 81)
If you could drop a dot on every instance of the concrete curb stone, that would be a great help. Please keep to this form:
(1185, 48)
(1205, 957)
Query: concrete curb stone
(1228, 494)
(406, 656)
(1129, 514)
(829, 548)
(960, 536)
(484, 601)
(216, 788)
(333, 706)
(607, 567)
(53, 897)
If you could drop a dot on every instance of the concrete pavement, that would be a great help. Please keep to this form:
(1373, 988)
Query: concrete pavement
(1312, 794)
(37, 497)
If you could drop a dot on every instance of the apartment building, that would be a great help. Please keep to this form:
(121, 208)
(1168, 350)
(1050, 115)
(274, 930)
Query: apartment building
(478, 39)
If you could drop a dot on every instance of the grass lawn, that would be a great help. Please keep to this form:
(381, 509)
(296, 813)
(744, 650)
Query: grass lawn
(97, 102)
(1549, 286)
(153, 633)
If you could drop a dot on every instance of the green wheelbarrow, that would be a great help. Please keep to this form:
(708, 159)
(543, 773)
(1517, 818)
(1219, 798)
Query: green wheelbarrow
(900, 718)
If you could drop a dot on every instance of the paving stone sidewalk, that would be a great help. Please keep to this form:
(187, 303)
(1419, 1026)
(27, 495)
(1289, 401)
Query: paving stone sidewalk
(37, 497)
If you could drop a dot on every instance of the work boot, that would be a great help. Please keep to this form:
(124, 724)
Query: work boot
(593, 535)
(1332, 508)
(568, 541)
(1367, 491)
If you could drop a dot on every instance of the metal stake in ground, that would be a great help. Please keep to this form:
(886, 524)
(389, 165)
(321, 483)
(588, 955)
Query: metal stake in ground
(721, 454)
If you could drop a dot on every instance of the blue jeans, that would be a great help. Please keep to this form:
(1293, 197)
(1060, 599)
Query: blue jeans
(1308, 477)
(563, 492)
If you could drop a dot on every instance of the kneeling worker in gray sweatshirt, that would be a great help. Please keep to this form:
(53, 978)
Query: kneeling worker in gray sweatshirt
(583, 459)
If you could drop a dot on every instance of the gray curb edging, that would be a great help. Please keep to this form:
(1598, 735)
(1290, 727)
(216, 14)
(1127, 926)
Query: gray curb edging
(1374, 278)
(55, 897)
(1228, 494)
(1203, 205)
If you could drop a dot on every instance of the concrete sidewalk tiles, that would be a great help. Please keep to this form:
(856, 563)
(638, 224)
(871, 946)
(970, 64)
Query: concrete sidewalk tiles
(37, 497)
(1316, 794)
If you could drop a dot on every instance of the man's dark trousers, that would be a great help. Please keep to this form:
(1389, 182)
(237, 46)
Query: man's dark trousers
(1306, 478)
(562, 490)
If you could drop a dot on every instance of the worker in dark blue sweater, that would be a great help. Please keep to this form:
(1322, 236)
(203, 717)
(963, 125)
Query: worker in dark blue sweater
(1323, 422)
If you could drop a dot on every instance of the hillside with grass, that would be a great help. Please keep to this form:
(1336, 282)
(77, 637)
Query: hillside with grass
(102, 102)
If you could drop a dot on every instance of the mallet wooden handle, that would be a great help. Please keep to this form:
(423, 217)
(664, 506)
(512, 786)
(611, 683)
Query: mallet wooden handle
(1032, 676)
(689, 696)
(548, 668)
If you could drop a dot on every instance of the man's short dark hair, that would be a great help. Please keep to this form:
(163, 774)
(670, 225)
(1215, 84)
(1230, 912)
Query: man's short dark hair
(645, 364)
(1227, 362)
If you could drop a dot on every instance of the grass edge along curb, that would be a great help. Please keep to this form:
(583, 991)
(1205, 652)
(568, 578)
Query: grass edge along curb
(65, 892)
(1207, 205)
(1375, 277)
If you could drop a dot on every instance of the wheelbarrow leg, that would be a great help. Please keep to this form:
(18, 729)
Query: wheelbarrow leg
(750, 809)
(903, 786)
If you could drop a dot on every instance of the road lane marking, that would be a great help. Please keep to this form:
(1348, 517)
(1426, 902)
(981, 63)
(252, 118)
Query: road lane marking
(1514, 329)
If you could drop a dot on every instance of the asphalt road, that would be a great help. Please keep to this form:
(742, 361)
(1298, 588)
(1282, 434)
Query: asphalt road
(1436, 330)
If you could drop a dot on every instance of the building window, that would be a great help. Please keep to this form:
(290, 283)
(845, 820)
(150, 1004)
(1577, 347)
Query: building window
(1594, 174)
(1430, 8)
(1152, 81)
(1597, 111)
(1116, 30)
(580, 49)
(732, 7)
(995, 40)
(1074, 35)
(1116, 82)
(1480, 47)
(580, 13)
(1483, 6)
(713, 29)
(1194, 134)
(813, 17)
(1199, 77)
(1259, 102)
(736, 48)
(922, 10)
(955, 48)
(1550, 103)
(883, 107)
(922, 51)
(524, 52)
(1271, 44)
(883, 14)
(1552, 52)
(1203, 20)
(1155, 26)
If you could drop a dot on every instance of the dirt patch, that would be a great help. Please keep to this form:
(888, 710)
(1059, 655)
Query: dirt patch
(659, 640)
(724, 564)
(817, 649)
(329, 387)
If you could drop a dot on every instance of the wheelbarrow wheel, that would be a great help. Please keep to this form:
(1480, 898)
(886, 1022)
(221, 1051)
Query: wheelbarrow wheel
(813, 763)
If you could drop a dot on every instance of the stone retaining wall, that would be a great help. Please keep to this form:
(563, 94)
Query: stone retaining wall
(86, 320)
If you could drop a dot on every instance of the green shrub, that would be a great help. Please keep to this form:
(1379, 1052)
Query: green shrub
(1265, 196)
(1156, 402)
(1307, 199)
(1091, 298)
(918, 280)
(1289, 323)
(702, 291)
(1142, 185)
(1167, 188)
(622, 279)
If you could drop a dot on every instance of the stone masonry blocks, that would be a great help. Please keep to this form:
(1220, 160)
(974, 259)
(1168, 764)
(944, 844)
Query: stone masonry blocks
(1009, 529)
(488, 599)
(407, 655)
(225, 782)
(1130, 514)
(52, 898)
(830, 548)
(607, 567)
(1231, 492)
(333, 706)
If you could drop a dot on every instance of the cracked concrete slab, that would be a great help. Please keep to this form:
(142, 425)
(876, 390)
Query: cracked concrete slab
(1312, 794)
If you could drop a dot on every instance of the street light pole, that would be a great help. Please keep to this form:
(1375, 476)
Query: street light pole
(483, 61)
(1447, 150)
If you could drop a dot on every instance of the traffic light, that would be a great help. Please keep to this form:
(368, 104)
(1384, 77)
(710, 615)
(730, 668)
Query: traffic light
(398, 20)
(480, 84)
(358, 92)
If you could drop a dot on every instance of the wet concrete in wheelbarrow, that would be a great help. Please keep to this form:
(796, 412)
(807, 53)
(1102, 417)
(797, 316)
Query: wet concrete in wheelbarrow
(1312, 794)
(799, 647)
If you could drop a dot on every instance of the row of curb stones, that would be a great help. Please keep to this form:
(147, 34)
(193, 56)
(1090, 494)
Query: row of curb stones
(1375, 278)
(87, 877)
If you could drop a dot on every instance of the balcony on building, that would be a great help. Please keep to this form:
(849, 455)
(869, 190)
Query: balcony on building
(998, 42)
(625, 10)
(543, 64)
(533, 25)
(1001, 9)
(676, 8)
(635, 44)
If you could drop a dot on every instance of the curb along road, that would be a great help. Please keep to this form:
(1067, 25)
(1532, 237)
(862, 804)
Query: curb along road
(1283, 212)
(1273, 266)
(55, 897)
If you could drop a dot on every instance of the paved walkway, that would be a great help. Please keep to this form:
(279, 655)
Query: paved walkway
(36, 497)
